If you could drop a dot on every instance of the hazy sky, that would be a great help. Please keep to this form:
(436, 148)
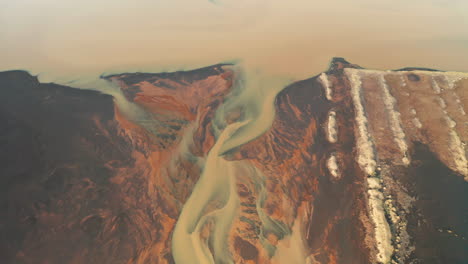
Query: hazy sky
(296, 38)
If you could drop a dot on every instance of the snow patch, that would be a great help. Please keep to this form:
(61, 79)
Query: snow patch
(403, 81)
(435, 85)
(373, 183)
(441, 102)
(458, 153)
(383, 235)
(332, 129)
(452, 79)
(456, 146)
(323, 78)
(332, 165)
(450, 122)
(415, 119)
(461, 109)
(365, 147)
(416, 122)
(394, 118)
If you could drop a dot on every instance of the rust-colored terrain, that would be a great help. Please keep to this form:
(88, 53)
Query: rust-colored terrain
(358, 166)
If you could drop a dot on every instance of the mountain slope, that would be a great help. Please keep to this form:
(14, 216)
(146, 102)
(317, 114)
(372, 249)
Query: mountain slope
(358, 166)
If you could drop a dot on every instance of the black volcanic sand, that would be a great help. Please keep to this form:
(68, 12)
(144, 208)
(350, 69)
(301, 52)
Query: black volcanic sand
(438, 225)
(53, 174)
